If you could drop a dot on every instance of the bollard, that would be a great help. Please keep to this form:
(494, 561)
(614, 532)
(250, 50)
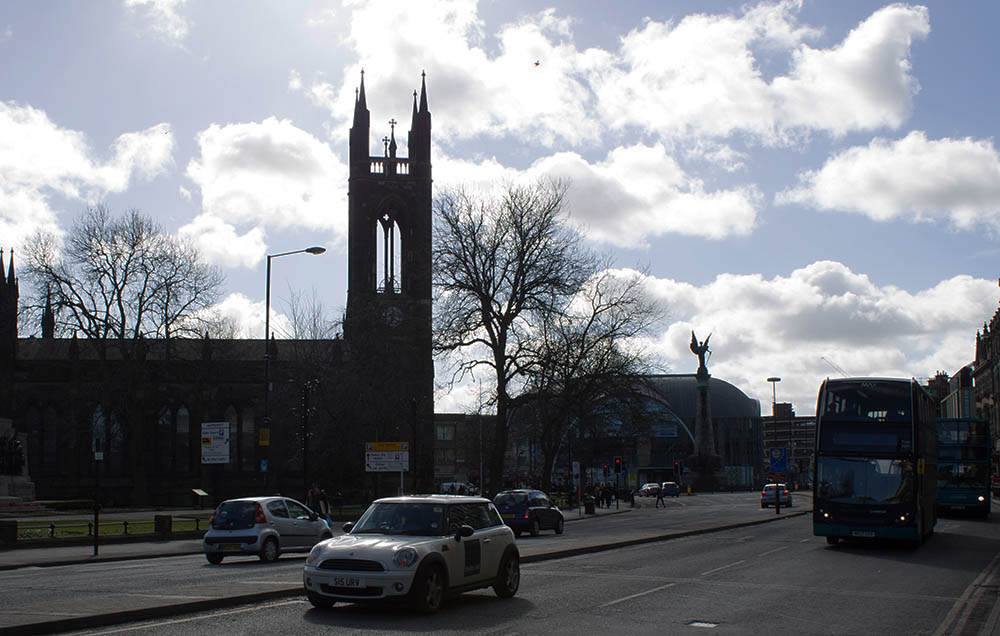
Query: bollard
(90, 528)
(163, 525)
(52, 530)
(125, 527)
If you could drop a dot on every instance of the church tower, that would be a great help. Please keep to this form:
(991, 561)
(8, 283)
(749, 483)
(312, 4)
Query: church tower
(387, 326)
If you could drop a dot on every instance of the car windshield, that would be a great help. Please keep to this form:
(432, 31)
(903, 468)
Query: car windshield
(235, 514)
(422, 519)
(510, 499)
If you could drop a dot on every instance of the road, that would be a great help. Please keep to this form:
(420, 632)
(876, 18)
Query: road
(773, 578)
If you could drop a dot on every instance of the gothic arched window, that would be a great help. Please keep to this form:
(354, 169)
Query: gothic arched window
(389, 255)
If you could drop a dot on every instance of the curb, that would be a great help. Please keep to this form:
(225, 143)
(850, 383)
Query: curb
(103, 620)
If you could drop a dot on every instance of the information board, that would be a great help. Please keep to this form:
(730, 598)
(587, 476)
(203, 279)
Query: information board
(387, 457)
(215, 442)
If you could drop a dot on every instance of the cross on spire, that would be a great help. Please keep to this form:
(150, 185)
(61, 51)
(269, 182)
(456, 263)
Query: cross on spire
(392, 123)
(385, 142)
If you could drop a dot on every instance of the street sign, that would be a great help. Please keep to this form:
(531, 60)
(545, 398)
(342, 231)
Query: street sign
(387, 457)
(215, 442)
(779, 461)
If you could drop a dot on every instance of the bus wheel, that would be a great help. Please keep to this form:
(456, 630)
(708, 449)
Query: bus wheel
(833, 540)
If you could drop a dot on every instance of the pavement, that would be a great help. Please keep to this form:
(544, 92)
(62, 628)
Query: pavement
(83, 615)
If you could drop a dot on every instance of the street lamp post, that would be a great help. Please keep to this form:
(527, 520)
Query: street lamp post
(265, 432)
(774, 424)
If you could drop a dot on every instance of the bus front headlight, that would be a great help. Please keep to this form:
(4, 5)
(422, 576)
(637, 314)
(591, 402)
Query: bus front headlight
(981, 499)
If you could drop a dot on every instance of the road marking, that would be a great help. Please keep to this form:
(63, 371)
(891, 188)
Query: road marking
(178, 621)
(632, 596)
(784, 547)
(722, 568)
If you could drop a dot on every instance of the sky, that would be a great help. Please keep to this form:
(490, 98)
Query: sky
(815, 184)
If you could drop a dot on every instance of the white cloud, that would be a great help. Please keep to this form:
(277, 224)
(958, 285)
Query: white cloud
(39, 159)
(248, 316)
(271, 174)
(911, 178)
(698, 77)
(220, 243)
(701, 76)
(164, 17)
(7, 34)
(635, 194)
(324, 17)
(786, 325)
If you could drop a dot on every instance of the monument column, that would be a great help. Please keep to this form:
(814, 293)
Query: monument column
(705, 462)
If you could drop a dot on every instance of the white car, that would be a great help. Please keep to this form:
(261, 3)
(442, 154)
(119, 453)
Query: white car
(262, 526)
(417, 549)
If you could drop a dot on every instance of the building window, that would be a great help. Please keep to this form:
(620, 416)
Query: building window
(388, 260)
(248, 441)
(164, 440)
(234, 423)
(446, 432)
(444, 456)
(182, 441)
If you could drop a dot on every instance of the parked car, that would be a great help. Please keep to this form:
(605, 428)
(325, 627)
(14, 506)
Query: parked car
(670, 489)
(263, 526)
(528, 510)
(418, 549)
(649, 490)
(768, 496)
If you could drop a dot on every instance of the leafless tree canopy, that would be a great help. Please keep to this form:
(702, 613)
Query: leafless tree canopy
(121, 278)
(508, 270)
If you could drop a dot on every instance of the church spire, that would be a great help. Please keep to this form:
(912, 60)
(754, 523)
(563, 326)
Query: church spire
(359, 132)
(423, 93)
(48, 317)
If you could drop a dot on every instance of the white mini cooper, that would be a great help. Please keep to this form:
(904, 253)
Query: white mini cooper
(418, 549)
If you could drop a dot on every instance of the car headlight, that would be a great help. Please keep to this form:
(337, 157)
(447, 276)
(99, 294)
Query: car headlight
(313, 557)
(404, 558)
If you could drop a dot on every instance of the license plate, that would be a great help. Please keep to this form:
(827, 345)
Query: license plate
(507, 515)
(862, 533)
(231, 547)
(347, 581)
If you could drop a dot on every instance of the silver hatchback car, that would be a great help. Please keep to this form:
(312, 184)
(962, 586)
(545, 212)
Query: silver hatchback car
(262, 526)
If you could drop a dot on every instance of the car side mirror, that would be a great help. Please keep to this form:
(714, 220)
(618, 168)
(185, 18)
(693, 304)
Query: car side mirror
(313, 516)
(463, 530)
(348, 527)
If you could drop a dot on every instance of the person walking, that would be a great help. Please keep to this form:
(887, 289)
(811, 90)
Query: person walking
(659, 497)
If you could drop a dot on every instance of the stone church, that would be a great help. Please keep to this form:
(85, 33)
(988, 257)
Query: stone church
(126, 417)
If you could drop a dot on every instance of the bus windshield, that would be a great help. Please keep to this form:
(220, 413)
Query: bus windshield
(864, 480)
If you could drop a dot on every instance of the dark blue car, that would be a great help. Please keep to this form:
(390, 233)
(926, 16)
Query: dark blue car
(529, 510)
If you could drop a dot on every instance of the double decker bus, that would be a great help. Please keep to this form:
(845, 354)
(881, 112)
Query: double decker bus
(876, 473)
(963, 469)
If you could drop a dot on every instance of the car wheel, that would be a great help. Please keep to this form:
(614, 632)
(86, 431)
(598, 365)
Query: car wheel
(559, 526)
(428, 590)
(269, 553)
(319, 601)
(509, 577)
(534, 527)
(833, 540)
(214, 559)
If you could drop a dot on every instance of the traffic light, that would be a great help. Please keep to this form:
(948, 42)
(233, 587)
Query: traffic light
(618, 465)
(677, 469)
(605, 470)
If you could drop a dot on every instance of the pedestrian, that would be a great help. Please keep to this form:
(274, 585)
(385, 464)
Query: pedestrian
(659, 497)
(324, 507)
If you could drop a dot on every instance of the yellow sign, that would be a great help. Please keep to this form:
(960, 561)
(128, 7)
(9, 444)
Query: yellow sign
(386, 446)
(264, 437)
(920, 466)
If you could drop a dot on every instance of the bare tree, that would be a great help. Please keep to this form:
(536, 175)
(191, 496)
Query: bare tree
(587, 356)
(501, 264)
(121, 279)
(309, 317)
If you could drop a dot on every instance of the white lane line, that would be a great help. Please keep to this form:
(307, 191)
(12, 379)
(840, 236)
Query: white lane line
(722, 568)
(178, 621)
(632, 596)
(784, 547)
